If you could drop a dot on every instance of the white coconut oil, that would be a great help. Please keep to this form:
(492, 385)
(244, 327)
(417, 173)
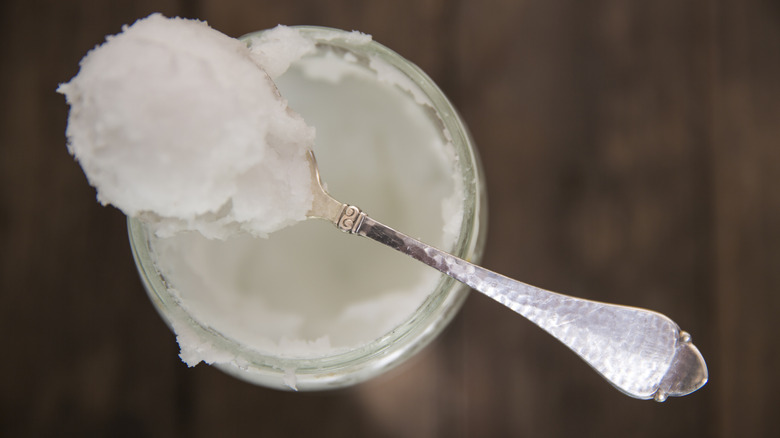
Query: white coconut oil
(310, 307)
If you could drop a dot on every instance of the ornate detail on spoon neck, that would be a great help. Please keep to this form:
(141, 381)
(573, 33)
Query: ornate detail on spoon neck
(351, 219)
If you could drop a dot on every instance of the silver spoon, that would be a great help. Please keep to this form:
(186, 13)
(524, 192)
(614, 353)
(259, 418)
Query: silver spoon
(642, 353)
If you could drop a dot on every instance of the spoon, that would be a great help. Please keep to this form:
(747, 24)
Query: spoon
(642, 353)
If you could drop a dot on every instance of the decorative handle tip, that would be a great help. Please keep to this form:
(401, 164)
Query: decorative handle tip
(686, 374)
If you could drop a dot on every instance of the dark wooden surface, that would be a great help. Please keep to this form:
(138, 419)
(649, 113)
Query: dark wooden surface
(632, 152)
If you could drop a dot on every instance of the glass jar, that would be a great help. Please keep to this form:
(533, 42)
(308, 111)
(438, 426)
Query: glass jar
(344, 365)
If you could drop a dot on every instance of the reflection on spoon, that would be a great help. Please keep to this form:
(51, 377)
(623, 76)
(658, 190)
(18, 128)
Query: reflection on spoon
(642, 353)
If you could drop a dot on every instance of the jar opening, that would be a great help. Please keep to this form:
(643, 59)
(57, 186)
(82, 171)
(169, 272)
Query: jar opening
(426, 200)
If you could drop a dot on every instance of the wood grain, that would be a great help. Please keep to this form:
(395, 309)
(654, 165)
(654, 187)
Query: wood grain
(632, 154)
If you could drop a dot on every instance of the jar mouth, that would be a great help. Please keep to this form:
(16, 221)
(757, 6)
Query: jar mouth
(353, 365)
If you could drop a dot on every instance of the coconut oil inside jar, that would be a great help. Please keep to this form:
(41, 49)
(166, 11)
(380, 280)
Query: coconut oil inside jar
(309, 307)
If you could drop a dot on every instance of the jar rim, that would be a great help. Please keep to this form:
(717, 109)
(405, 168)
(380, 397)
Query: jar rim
(356, 364)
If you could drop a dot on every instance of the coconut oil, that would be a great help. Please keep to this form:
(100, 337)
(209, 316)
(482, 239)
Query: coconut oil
(309, 307)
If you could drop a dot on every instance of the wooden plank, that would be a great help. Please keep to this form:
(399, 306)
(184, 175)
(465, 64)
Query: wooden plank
(746, 169)
(632, 156)
(592, 119)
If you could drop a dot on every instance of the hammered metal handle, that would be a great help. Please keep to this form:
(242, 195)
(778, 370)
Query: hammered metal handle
(640, 352)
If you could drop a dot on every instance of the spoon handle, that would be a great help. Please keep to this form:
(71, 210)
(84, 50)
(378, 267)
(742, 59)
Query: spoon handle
(640, 352)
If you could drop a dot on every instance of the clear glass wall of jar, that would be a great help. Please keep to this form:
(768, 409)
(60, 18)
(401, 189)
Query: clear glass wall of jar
(345, 366)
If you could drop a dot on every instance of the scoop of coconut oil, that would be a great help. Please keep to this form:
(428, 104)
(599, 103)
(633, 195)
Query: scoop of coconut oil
(181, 125)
